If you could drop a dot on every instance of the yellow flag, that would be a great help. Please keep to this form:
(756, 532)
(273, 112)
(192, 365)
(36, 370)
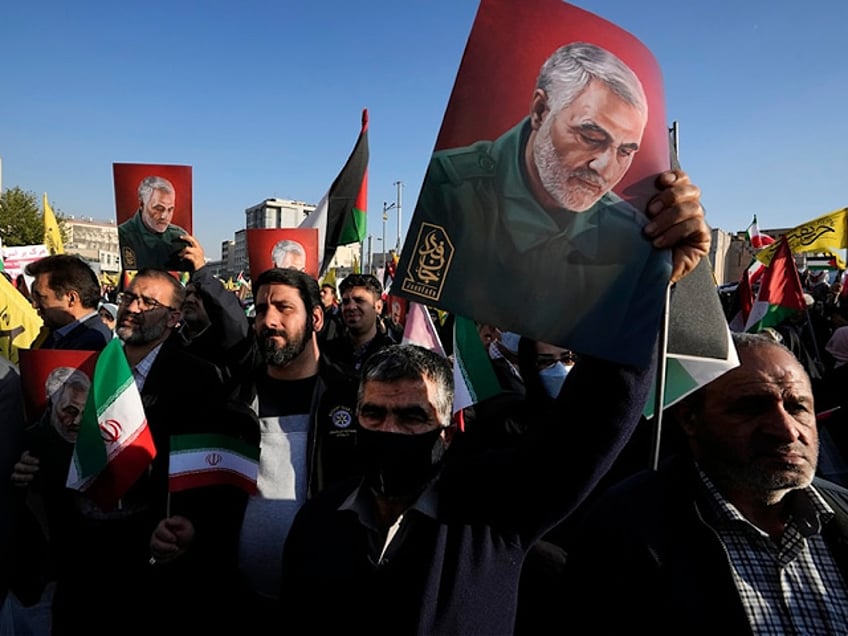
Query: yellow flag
(330, 277)
(52, 235)
(826, 233)
(19, 322)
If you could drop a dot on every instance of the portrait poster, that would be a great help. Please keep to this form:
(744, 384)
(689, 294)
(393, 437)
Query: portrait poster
(153, 209)
(397, 309)
(531, 214)
(55, 385)
(282, 247)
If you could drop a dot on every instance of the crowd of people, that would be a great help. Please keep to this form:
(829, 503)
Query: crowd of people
(377, 508)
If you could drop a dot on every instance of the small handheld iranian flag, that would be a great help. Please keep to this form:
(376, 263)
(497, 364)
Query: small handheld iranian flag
(473, 376)
(210, 460)
(114, 446)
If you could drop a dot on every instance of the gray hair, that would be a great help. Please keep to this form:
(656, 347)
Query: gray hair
(570, 68)
(411, 362)
(284, 247)
(60, 377)
(149, 184)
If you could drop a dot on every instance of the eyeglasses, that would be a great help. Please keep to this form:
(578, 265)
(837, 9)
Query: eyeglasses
(543, 361)
(144, 303)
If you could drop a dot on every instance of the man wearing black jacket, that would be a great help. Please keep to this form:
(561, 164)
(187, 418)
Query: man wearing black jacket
(306, 407)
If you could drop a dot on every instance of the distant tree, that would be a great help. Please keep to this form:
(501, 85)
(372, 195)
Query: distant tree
(21, 220)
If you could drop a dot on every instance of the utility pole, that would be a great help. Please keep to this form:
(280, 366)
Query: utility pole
(386, 208)
(399, 185)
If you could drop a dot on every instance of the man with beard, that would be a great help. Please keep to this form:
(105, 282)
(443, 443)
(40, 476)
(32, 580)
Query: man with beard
(148, 238)
(499, 224)
(306, 409)
(176, 551)
(733, 535)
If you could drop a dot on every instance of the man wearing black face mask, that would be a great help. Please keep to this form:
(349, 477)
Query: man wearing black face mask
(431, 540)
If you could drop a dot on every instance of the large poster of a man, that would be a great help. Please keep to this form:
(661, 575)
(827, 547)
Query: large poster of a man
(153, 205)
(530, 216)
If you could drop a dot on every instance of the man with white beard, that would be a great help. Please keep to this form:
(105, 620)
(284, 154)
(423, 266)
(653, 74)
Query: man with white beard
(533, 213)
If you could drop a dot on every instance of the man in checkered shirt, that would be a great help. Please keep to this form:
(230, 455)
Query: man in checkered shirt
(732, 535)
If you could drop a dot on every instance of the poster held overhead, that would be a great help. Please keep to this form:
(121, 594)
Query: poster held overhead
(532, 219)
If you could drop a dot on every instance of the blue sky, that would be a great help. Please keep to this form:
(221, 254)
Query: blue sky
(263, 99)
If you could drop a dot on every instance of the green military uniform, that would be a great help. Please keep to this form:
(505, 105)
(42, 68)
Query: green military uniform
(479, 245)
(140, 247)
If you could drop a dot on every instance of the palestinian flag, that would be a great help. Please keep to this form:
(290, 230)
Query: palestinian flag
(473, 376)
(697, 346)
(114, 446)
(340, 215)
(780, 295)
(212, 460)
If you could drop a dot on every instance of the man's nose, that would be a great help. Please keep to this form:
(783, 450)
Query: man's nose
(603, 159)
(780, 425)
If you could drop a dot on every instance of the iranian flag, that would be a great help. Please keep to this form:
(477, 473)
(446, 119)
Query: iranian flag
(757, 239)
(340, 215)
(780, 295)
(114, 446)
(209, 460)
(473, 376)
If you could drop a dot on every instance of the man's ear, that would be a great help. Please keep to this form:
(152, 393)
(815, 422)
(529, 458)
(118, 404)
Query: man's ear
(73, 298)
(174, 318)
(539, 108)
(447, 434)
(685, 416)
(317, 319)
(378, 306)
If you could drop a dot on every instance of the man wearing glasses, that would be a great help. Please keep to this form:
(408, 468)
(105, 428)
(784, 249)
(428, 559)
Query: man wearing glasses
(142, 545)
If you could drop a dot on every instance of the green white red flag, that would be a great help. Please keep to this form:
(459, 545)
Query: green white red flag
(198, 460)
(473, 376)
(114, 446)
(340, 215)
(757, 239)
(780, 295)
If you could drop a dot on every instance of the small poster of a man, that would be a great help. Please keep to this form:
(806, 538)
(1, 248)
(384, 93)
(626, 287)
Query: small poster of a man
(295, 248)
(56, 384)
(154, 211)
(531, 213)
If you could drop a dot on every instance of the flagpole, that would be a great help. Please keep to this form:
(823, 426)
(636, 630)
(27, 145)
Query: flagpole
(659, 394)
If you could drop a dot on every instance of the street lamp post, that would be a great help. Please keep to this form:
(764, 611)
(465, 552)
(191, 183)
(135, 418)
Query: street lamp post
(399, 185)
(386, 208)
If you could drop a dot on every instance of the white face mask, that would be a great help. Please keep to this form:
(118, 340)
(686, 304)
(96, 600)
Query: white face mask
(552, 378)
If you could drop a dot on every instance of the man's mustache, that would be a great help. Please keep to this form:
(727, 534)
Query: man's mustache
(590, 176)
(267, 333)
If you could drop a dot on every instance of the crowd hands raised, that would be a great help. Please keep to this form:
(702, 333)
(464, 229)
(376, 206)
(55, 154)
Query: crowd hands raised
(379, 509)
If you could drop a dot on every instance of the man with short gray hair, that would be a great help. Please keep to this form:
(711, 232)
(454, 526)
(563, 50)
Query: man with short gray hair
(149, 239)
(499, 224)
